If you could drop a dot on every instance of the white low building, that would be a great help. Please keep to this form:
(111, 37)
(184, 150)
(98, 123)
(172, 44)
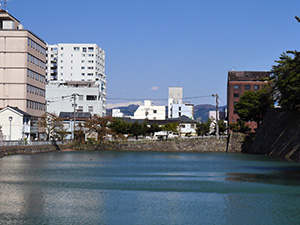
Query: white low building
(117, 113)
(88, 94)
(15, 124)
(150, 111)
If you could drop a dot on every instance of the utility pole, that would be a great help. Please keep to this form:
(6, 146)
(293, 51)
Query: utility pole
(217, 114)
(74, 99)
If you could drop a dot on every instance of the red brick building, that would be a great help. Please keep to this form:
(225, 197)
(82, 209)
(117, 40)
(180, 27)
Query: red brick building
(239, 82)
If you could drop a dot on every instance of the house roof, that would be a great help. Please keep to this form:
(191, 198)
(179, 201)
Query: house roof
(16, 109)
(181, 119)
(78, 115)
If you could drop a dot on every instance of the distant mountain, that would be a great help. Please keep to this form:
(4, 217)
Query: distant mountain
(200, 111)
(127, 110)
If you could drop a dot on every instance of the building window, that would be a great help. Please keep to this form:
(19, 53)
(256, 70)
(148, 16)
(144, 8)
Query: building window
(80, 97)
(154, 111)
(80, 109)
(91, 97)
(179, 108)
(90, 74)
(83, 49)
(82, 74)
(247, 87)
(234, 112)
(236, 87)
(62, 48)
(256, 87)
(76, 49)
(91, 49)
(82, 67)
(236, 95)
(179, 114)
(91, 108)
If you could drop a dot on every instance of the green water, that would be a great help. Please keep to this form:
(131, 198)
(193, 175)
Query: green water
(148, 188)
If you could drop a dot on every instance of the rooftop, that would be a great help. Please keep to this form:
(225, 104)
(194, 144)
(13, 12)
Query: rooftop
(247, 75)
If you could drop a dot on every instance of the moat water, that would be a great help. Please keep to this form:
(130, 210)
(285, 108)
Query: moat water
(148, 188)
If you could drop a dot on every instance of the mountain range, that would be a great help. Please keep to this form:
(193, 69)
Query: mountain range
(200, 111)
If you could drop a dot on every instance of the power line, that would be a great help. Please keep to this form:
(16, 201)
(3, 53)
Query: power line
(155, 99)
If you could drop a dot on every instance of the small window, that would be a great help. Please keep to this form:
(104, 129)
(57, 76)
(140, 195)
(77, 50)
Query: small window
(91, 97)
(80, 109)
(76, 49)
(80, 97)
(82, 67)
(236, 95)
(256, 87)
(247, 87)
(91, 108)
(83, 49)
(236, 87)
(91, 49)
(154, 111)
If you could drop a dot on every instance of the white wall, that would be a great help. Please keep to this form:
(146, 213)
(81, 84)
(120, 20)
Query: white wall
(16, 125)
(57, 104)
(150, 111)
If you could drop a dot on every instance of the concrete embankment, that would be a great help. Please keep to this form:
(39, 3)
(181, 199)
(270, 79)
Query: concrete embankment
(180, 145)
(278, 135)
(186, 145)
(29, 149)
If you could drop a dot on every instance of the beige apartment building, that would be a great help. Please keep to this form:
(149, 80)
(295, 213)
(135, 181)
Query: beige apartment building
(22, 67)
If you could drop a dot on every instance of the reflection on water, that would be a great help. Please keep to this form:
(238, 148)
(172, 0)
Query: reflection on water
(148, 188)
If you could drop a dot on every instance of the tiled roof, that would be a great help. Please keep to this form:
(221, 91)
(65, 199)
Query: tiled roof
(78, 115)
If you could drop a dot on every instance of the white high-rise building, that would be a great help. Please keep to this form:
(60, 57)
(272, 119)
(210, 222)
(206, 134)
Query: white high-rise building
(176, 107)
(76, 69)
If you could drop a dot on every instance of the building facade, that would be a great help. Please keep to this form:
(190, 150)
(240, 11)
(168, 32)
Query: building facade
(239, 82)
(176, 106)
(150, 111)
(77, 69)
(22, 67)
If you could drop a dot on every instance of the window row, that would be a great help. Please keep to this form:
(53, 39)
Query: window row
(34, 90)
(36, 76)
(36, 46)
(36, 61)
(246, 86)
(36, 105)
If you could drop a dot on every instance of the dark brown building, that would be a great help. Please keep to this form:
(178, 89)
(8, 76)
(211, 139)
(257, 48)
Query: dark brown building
(239, 82)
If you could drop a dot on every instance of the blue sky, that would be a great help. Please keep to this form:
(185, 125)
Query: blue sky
(151, 45)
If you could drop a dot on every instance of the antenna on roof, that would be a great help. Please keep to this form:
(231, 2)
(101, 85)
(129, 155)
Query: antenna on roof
(4, 4)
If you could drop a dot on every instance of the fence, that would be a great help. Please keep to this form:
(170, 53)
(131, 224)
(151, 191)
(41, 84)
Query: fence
(33, 143)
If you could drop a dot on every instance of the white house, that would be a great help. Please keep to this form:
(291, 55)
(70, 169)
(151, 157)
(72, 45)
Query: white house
(150, 111)
(15, 124)
(117, 113)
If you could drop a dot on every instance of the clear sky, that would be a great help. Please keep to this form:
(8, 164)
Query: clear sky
(151, 45)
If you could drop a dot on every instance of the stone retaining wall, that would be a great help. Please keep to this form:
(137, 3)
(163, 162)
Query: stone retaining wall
(28, 149)
(189, 145)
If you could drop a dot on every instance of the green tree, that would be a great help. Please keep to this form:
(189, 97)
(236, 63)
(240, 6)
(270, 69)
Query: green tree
(170, 127)
(222, 127)
(239, 127)
(154, 128)
(119, 126)
(286, 77)
(136, 129)
(252, 106)
(203, 128)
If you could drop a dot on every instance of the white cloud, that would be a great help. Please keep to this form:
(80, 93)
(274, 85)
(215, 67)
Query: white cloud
(154, 88)
(122, 104)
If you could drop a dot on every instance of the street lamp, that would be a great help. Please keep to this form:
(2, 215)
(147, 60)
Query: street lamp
(10, 119)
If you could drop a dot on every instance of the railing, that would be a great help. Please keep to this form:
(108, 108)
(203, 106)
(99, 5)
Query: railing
(33, 143)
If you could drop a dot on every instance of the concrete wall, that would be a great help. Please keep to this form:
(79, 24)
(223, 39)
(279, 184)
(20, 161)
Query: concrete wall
(188, 145)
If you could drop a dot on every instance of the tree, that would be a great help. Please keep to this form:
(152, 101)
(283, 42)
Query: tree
(286, 78)
(239, 127)
(252, 106)
(222, 127)
(99, 125)
(170, 127)
(53, 127)
(203, 128)
(119, 126)
(136, 129)
(154, 128)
